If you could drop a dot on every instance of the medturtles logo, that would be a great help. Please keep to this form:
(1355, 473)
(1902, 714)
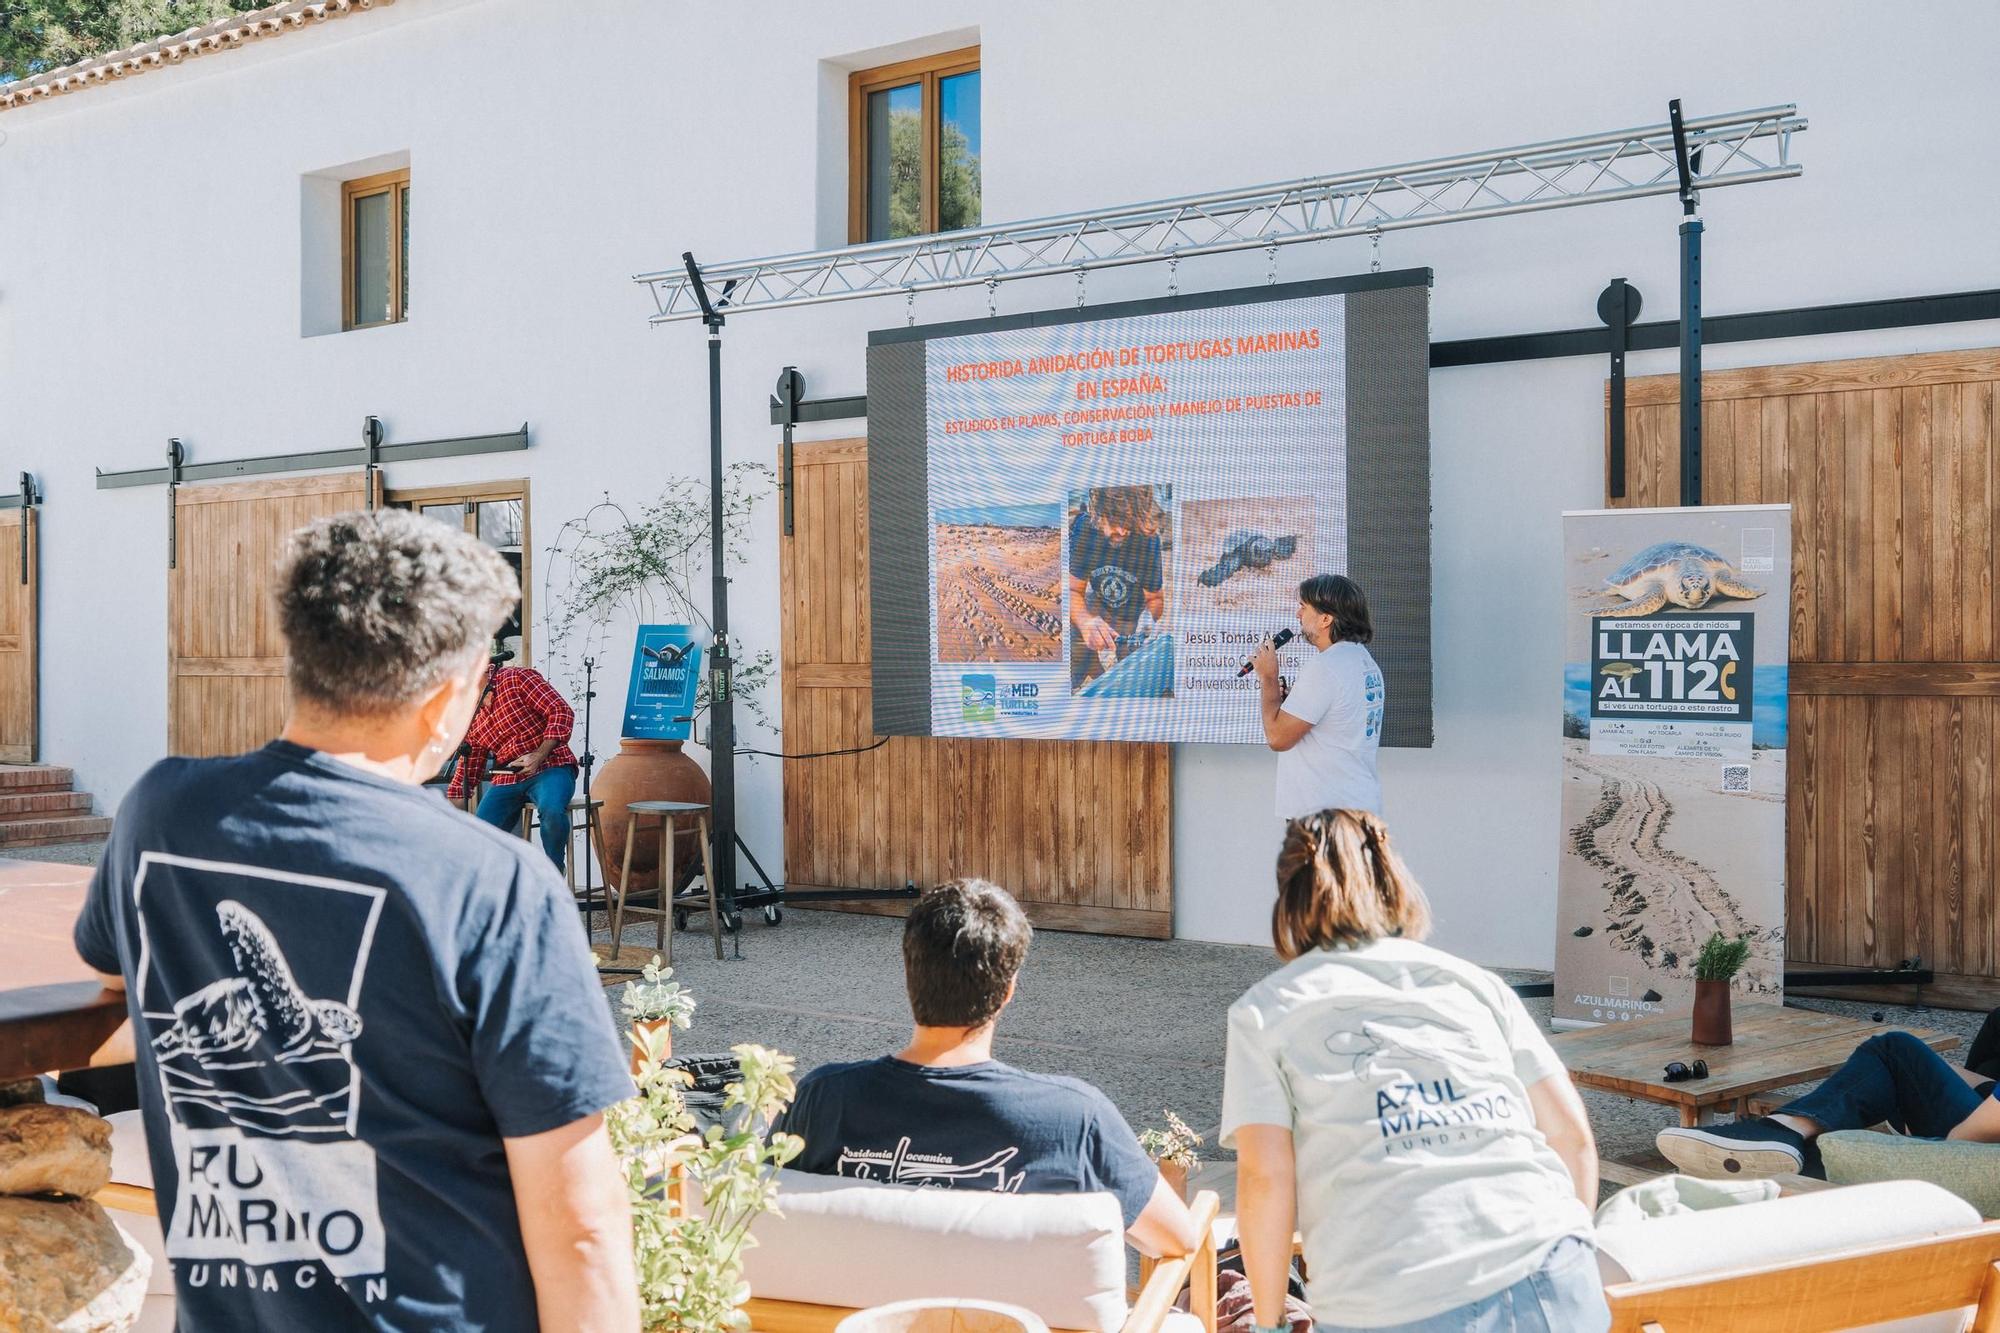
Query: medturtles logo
(979, 697)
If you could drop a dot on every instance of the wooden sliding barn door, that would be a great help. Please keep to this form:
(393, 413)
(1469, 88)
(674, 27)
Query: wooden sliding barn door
(20, 686)
(1080, 832)
(225, 657)
(1892, 466)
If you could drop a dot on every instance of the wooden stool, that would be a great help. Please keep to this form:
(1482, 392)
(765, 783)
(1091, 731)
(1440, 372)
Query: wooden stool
(665, 817)
(531, 817)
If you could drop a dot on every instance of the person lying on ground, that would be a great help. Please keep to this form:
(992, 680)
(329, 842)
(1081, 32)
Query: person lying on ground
(373, 1050)
(1891, 1078)
(942, 1112)
(1402, 1110)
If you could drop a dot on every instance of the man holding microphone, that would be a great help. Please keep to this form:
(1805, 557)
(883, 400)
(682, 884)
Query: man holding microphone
(1328, 727)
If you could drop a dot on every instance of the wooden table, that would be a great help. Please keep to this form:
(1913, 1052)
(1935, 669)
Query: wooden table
(1774, 1048)
(54, 1014)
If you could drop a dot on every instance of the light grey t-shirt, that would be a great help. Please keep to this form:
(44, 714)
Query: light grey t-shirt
(1340, 691)
(1402, 1073)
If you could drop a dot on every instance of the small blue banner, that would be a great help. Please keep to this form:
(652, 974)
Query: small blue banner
(666, 670)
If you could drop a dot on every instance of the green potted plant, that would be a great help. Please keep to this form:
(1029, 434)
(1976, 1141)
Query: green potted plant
(1721, 958)
(690, 1258)
(1174, 1149)
(655, 1003)
(614, 567)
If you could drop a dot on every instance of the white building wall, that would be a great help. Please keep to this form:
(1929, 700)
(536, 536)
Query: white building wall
(151, 285)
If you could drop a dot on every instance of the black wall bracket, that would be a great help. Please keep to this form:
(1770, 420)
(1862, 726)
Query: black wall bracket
(1618, 306)
(27, 499)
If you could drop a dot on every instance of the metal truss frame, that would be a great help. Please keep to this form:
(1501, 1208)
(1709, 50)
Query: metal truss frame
(1740, 148)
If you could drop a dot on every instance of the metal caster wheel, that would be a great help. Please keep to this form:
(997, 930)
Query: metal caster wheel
(773, 915)
(732, 922)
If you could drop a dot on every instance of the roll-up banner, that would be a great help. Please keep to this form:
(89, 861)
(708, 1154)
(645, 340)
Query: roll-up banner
(1676, 635)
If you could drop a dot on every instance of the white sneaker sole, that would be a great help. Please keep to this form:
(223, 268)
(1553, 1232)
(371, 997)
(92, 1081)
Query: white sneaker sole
(1712, 1156)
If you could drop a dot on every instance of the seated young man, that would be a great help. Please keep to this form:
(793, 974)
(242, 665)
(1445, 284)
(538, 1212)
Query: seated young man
(943, 1112)
(1892, 1077)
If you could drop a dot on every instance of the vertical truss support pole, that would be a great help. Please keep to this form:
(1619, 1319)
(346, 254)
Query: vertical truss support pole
(1690, 312)
(721, 688)
(1618, 307)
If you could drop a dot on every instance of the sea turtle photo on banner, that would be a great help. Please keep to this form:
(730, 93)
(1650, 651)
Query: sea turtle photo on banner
(1676, 632)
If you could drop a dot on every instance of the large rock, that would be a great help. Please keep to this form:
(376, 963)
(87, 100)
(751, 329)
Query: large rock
(65, 1267)
(53, 1150)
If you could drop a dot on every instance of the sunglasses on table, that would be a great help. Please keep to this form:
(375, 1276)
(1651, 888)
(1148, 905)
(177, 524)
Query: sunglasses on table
(1681, 1073)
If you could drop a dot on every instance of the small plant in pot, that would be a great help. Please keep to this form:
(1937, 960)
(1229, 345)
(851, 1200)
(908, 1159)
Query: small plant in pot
(654, 1006)
(1721, 958)
(696, 1193)
(1174, 1149)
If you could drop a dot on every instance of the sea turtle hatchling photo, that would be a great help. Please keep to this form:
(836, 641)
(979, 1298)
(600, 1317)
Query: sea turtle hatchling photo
(1244, 549)
(1678, 572)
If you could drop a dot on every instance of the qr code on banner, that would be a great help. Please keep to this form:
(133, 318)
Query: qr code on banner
(1736, 777)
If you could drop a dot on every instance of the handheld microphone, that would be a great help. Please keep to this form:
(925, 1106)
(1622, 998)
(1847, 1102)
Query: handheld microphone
(1278, 640)
(499, 655)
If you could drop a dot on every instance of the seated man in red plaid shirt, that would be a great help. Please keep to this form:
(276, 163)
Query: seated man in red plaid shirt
(524, 727)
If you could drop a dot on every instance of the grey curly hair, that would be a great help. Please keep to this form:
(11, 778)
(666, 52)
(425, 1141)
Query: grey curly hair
(378, 608)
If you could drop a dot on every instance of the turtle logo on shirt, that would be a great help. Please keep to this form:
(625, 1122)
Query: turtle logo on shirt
(258, 1015)
(1113, 585)
(1426, 1046)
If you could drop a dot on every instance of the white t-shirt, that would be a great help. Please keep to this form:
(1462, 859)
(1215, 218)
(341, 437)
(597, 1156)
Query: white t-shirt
(1339, 691)
(1402, 1073)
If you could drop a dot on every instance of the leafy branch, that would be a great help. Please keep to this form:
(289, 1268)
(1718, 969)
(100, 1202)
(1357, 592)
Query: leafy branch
(642, 564)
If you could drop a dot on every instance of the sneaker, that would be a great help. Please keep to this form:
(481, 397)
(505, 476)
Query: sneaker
(1740, 1150)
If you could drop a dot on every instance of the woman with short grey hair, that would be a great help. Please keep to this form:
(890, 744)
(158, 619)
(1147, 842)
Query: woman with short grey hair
(370, 1034)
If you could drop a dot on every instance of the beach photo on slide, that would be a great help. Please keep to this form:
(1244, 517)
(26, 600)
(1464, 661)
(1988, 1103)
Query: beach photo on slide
(999, 586)
(1119, 542)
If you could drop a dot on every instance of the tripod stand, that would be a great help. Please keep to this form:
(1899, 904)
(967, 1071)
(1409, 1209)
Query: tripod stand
(587, 761)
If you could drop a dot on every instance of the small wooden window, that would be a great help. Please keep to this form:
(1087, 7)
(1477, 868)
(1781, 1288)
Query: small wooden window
(375, 250)
(914, 147)
(496, 512)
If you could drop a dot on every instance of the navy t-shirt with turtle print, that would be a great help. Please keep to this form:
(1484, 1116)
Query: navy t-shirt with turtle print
(1116, 575)
(344, 995)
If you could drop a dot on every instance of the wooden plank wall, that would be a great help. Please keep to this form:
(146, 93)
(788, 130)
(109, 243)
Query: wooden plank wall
(19, 655)
(1892, 466)
(225, 657)
(1080, 832)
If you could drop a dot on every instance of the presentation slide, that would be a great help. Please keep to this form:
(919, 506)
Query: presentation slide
(1084, 522)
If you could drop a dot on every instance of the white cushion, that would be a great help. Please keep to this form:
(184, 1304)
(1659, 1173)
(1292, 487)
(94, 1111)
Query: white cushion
(1755, 1235)
(852, 1244)
(1717, 1240)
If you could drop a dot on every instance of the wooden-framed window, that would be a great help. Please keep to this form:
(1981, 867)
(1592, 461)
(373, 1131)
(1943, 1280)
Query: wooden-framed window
(375, 250)
(914, 147)
(496, 512)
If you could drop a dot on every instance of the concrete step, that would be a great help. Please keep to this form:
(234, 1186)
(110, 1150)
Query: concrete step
(34, 777)
(42, 832)
(42, 804)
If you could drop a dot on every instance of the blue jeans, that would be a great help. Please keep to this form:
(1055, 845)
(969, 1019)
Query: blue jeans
(1564, 1295)
(550, 790)
(1892, 1077)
